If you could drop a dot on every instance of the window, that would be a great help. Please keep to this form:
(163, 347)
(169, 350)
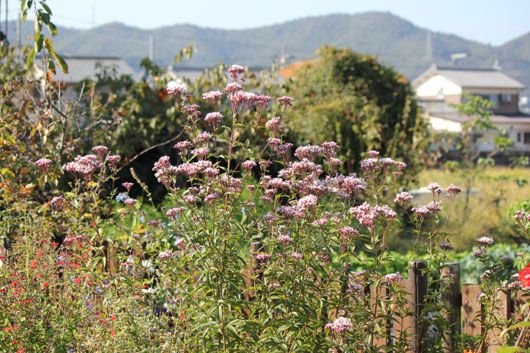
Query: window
(518, 137)
(505, 98)
(527, 138)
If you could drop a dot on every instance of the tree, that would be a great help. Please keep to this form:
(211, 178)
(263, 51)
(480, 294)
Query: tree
(358, 102)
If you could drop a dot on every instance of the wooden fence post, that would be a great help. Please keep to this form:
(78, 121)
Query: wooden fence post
(503, 311)
(418, 279)
(453, 297)
(472, 311)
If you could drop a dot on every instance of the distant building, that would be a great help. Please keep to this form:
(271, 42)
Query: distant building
(438, 87)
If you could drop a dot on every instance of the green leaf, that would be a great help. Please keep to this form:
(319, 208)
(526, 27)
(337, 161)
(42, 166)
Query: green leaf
(511, 350)
(46, 7)
(31, 57)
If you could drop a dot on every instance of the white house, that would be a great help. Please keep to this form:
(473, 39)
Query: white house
(438, 87)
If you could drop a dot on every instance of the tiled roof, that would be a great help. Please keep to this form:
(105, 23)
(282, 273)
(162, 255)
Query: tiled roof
(471, 77)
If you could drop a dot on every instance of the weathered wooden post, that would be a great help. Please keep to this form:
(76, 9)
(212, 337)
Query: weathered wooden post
(472, 311)
(418, 285)
(453, 298)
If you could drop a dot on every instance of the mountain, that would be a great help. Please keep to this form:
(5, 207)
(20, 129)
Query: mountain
(398, 42)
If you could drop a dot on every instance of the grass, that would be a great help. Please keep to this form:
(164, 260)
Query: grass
(496, 194)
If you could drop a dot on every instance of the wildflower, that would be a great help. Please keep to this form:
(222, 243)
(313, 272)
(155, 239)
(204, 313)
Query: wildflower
(274, 125)
(113, 160)
(203, 137)
(235, 71)
(307, 202)
(183, 145)
(121, 197)
(174, 212)
(176, 89)
(100, 150)
(446, 246)
(485, 241)
(479, 253)
(83, 166)
(127, 186)
(57, 203)
(369, 164)
(201, 152)
(262, 257)
(264, 165)
(348, 232)
(309, 152)
(329, 148)
(43, 164)
(242, 100)
(340, 325)
(212, 96)
(320, 222)
(524, 277)
(211, 197)
(403, 198)
(165, 255)
(286, 101)
(297, 256)
(393, 278)
(179, 243)
(285, 239)
(434, 188)
(373, 154)
(213, 119)
(190, 198)
(453, 190)
(233, 87)
(262, 101)
(248, 165)
(129, 202)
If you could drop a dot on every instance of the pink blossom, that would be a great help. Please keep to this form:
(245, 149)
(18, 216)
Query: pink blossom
(329, 148)
(307, 202)
(190, 198)
(165, 255)
(340, 325)
(235, 71)
(274, 125)
(211, 172)
(174, 212)
(127, 186)
(248, 165)
(203, 137)
(242, 100)
(262, 101)
(373, 154)
(43, 164)
(485, 241)
(129, 202)
(200, 152)
(403, 198)
(393, 278)
(285, 239)
(176, 89)
(453, 190)
(212, 96)
(83, 166)
(211, 197)
(179, 243)
(309, 152)
(57, 202)
(183, 145)
(213, 119)
(193, 110)
(262, 257)
(434, 188)
(369, 164)
(285, 101)
(297, 256)
(233, 87)
(113, 160)
(348, 232)
(100, 150)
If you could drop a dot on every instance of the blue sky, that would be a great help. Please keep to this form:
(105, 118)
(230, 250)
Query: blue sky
(488, 21)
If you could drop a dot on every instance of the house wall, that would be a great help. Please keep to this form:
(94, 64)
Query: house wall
(513, 130)
(438, 86)
(506, 100)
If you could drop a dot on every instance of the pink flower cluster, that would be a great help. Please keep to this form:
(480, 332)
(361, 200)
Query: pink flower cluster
(367, 214)
(43, 164)
(403, 198)
(340, 325)
(83, 166)
(424, 211)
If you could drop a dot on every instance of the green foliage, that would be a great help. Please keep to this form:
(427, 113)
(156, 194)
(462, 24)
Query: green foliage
(361, 104)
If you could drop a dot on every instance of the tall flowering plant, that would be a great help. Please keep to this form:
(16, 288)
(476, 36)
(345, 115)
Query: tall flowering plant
(252, 251)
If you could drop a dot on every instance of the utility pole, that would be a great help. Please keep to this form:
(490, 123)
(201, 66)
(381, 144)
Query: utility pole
(18, 47)
(152, 48)
(7, 12)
